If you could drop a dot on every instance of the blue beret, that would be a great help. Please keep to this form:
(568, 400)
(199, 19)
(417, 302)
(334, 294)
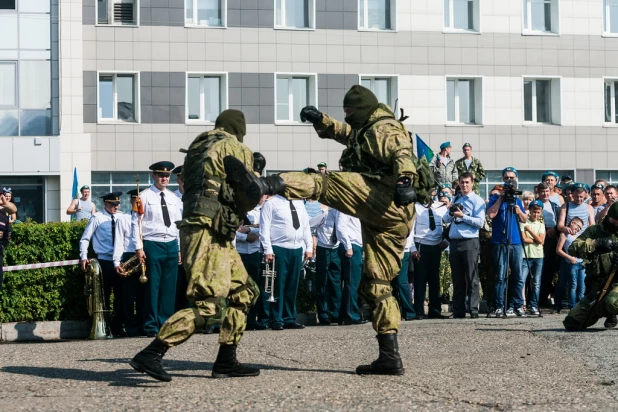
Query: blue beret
(536, 203)
(549, 173)
(510, 169)
(445, 145)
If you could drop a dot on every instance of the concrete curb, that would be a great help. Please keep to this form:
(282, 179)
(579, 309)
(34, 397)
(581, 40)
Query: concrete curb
(44, 331)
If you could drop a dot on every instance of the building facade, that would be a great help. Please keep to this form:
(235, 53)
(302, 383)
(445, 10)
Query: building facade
(528, 83)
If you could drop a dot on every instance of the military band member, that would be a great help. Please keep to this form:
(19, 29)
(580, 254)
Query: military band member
(181, 280)
(401, 287)
(159, 247)
(250, 250)
(351, 255)
(285, 234)
(108, 242)
(328, 266)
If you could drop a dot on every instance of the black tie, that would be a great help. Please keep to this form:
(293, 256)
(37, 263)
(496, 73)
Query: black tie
(432, 220)
(295, 221)
(333, 237)
(166, 213)
(113, 231)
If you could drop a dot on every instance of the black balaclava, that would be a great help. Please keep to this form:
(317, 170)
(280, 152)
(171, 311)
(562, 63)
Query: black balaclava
(363, 101)
(233, 122)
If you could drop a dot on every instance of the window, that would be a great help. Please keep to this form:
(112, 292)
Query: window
(29, 196)
(527, 179)
(117, 12)
(206, 13)
(25, 104)
(541, 16)
(118, 98)
(293, 92)
(7, 4)
(385, 88)
(107, 182)
(376, 14)
(295, 14)
(464, 100)
(542, 101)
(462, 15)
(206, 96)
(611, 114)
(610, 17)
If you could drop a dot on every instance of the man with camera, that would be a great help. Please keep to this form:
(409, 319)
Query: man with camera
(467, 214)
(506, 211)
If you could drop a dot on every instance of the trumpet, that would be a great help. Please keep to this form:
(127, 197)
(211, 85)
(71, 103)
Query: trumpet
(132, 266)
(269, 274)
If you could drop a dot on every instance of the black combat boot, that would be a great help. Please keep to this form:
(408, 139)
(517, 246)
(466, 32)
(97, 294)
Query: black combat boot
(255, 187)
(227, 366)
(611, 322)
(388, 362)
(149, 361)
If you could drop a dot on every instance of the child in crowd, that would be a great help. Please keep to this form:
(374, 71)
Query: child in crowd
(572, 273)
(533, 237)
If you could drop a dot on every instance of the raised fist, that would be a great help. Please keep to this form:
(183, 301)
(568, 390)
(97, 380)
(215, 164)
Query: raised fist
(311, 114)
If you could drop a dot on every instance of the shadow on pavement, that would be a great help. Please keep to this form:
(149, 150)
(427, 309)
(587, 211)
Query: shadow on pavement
(129, 377)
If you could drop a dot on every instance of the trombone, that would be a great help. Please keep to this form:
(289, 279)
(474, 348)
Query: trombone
(269, 274)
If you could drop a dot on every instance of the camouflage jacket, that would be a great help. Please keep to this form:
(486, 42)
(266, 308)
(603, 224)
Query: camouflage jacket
(476, 168)
(381, 148)
(208, 200)
(598, 262)
(445, 172)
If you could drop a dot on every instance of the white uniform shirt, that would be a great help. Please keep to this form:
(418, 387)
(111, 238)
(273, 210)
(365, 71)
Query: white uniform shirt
(324, 222)
(349, 231)
(276, 227)
(422, 233)
(410, 243)
(242, 246)
(177, 193)
(99, 229)
(153, 227)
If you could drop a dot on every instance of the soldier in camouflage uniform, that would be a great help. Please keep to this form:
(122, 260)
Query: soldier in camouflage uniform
(475, 167)
(378, 190)
(220, 289)
(598, 246)
(486, 266)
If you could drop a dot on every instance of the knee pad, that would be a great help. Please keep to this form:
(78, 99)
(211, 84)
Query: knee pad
(245, 296)
(610, 303)
(375, 290)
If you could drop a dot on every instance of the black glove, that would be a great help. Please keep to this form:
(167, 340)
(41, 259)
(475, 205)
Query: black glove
(404, 192)
(607, 243)
(311, 114)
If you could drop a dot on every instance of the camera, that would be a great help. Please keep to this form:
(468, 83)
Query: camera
(457, 207)
(511, 191)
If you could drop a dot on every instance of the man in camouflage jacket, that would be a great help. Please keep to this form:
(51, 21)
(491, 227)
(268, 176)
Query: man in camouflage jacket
(220, 289)
(471, 165)
(376, 187)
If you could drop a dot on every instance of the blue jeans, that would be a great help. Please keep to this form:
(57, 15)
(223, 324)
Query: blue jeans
(572, 278)
(535, 269)
(516, 282)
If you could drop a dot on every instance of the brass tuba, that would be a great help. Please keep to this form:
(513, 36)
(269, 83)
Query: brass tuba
(93, 289)
(132, 266)
(270, 275)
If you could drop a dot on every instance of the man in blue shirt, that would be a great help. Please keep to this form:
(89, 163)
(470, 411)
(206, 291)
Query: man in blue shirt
(507, 247)
(465, 247)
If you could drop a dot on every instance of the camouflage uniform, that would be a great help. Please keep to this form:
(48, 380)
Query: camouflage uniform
(477, 170)
(220, 288)
(446, 279)
(486, 267)
(445, 173)
(377, 155)
(598, 265)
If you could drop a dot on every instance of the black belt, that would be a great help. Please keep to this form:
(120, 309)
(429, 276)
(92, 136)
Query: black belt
(464, 239)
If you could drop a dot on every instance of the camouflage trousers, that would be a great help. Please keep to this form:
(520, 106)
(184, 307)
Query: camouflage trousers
(220, 289)
(446, 279)
(384, 227)
(606, 307)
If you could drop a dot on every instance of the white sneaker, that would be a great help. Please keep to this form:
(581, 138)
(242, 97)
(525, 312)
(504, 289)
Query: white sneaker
(534, 312)
(498, 313)
(520, 313)
(510, 312)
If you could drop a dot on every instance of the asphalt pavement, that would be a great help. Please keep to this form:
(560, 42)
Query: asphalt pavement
(451, 365)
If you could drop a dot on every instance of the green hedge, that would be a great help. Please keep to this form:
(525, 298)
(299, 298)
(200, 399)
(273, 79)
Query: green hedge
(58, 293)
(43, 294)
